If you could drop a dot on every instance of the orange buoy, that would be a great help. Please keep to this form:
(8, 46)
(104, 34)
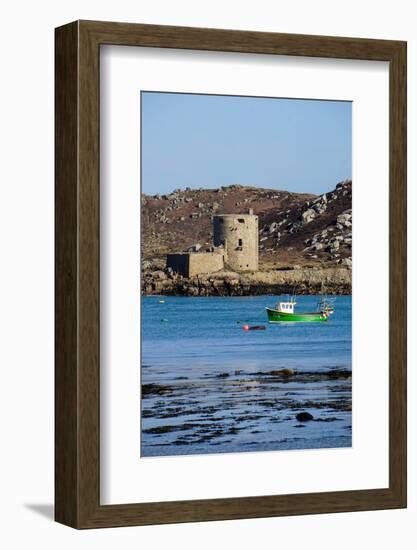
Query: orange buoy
(254, 327)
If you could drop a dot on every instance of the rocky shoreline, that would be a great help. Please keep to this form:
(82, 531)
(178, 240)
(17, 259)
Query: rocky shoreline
(335, 280)
(242, 411)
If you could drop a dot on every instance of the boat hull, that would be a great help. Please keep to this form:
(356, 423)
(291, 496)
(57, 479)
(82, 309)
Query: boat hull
(275, 316)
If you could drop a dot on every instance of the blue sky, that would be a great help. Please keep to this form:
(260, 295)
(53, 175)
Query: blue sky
(209, 141)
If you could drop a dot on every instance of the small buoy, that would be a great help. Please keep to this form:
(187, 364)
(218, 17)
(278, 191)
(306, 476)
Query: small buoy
(245, 327)
(162, 301)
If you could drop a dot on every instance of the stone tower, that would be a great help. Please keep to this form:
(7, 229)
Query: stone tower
(238, 233)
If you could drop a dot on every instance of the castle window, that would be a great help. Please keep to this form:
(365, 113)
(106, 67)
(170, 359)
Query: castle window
(240, 242)
(241, 220)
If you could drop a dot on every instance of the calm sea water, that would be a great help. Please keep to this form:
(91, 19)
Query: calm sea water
(207, 384)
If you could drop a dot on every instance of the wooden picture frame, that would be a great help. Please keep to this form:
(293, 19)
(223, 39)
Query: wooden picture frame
(77, 403)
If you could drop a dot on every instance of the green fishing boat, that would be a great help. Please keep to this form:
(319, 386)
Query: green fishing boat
(285, 312)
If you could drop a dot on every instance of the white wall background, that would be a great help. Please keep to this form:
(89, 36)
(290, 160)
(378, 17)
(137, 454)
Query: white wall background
(26, 273)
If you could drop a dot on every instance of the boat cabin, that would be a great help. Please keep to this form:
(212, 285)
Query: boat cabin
(286, 307)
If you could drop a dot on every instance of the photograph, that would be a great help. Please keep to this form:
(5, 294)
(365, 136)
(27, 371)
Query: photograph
(246, 274)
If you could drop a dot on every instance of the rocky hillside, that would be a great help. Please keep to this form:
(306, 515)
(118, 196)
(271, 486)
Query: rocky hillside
(294, 229)
(319, 231)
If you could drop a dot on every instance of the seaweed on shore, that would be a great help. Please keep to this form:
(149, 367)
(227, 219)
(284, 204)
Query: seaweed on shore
(155, 389)
(305, 376)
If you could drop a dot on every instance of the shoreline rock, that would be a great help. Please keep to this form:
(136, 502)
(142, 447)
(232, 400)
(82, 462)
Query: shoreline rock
(336, 280)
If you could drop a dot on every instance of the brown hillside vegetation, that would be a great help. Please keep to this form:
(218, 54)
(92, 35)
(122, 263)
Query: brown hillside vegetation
(294, 229)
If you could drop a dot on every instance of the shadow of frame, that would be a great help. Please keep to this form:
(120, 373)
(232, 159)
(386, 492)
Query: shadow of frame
(45, 510)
